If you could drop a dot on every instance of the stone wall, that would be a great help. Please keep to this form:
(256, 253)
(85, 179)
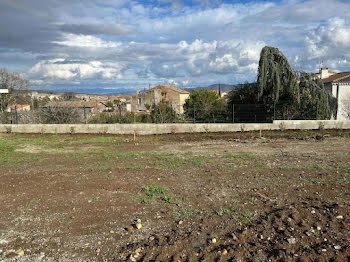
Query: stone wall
(153, 129)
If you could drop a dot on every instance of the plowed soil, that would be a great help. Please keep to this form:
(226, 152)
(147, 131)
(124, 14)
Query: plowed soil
(282, 196)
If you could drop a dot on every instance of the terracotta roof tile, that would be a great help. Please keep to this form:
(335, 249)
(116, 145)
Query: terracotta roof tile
(340, 77)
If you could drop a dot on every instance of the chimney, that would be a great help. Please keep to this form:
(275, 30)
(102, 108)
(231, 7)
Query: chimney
(138, 91)
(149, 86)
(324, 73)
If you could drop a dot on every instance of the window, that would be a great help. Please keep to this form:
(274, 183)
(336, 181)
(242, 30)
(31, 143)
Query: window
(139, 101)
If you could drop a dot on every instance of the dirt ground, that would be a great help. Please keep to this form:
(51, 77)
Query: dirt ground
(284, 196)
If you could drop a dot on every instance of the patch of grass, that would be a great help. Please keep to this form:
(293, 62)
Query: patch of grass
(316, 166)
(253, 200)
(97, 140)
(343, 167)
(109, 176)
(270, 183)
(344, 179)
(260, 165)
(315, 180)
(224, 211)
(285, 168)
(185, 212)
(166, 199)
(151, 191)
(243, 218)
(240, 155)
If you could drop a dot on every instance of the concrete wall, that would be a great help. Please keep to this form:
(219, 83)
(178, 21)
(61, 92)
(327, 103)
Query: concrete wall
(152, 129)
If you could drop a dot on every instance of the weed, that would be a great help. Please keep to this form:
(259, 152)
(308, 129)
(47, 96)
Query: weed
(109, 176)
(186, 212)
(152, 190)
(260, 165)
(317, 232)
(35, 201)
(224, 211)
(95, 199)
(244, 219)
(344, 179)
(253, 200)
(316, 166)
(315, 181)
(166, 199)
(306, 247)
(269, 183)
(285, 168)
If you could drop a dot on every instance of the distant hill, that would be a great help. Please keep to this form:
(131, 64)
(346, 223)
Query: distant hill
(223, 87)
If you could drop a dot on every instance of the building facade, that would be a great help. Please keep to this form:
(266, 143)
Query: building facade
(142, 101)
(339, 85)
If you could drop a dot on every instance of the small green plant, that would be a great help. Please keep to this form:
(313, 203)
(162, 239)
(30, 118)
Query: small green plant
(315, 181)
(285, 168)
(109, 176)
(253, 200)
(152, 190)
(225, 211)
(306, 247)
(35, 201)
(317, 232)
(166, 199)
(316, 166)
(282, 126)
(186, 212)
(260, 165)
(95, 199)
(321, 126)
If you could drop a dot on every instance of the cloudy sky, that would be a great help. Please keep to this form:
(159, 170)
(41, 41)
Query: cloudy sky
(113, 45)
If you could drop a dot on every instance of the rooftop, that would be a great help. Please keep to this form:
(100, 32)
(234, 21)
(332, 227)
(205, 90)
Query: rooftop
(181, 91)
(88, 104)
(339, 77)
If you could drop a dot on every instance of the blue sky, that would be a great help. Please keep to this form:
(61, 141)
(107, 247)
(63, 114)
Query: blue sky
(115, 45)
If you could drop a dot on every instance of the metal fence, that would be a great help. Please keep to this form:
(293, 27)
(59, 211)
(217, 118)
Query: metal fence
(238, 113)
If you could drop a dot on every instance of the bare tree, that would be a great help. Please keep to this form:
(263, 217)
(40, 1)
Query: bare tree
(15, 84)
(56, 113)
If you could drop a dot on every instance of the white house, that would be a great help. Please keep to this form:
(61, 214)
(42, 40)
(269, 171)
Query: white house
(339, 85)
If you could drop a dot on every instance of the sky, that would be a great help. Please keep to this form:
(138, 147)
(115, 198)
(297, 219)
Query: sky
(111, 46)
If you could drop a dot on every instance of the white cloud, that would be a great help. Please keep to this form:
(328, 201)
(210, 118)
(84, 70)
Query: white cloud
(73, 40)
(62, 69)
(330, 42)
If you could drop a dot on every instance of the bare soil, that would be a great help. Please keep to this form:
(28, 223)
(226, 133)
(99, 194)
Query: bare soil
(284, 196)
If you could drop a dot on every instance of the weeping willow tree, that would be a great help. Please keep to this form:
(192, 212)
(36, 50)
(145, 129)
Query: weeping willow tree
(276, 79)
(296, 94)
(315, 99)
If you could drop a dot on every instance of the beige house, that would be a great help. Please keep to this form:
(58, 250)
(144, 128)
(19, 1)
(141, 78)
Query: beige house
(339, 85)
(161, 93)
(19, 107)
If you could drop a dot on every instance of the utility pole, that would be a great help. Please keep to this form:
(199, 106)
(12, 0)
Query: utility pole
(233, 113)
(194, 113)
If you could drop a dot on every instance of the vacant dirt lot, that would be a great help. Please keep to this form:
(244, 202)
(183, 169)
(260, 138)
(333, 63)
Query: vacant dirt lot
(198, 197)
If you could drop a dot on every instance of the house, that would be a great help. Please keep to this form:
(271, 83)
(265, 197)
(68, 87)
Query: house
(161, 93)
(87, 106)
(19, 107)
(339, 85)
